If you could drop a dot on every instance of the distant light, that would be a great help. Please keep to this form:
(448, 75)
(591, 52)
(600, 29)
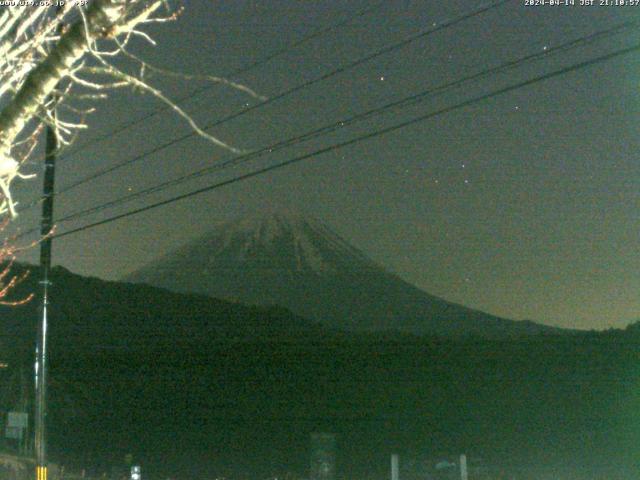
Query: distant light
(545, 47)
(382, 79)
(135, 472)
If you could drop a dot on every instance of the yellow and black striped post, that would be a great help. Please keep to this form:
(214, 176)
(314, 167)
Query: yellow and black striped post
(41, 473)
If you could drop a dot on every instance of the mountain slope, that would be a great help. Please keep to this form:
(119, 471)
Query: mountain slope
(88, 313)
(304, 266)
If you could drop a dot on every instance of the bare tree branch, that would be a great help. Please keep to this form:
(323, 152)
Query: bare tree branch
(43, 61)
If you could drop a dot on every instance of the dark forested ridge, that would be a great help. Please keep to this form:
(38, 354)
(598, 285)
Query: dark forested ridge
(185, 380)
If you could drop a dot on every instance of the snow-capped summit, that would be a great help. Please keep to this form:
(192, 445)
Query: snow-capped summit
(311, 245)
(300, 263)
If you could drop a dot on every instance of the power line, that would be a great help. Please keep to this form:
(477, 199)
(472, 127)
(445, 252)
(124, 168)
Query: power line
(360, 138)
(237, 72)
(410, 100)
(438, 27)
(406, 101)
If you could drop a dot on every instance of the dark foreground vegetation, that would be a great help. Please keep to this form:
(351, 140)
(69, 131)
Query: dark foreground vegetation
(198, 388)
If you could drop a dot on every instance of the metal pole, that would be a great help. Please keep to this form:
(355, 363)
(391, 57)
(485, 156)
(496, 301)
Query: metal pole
(395, 467)
(45, 265)
(464, 475)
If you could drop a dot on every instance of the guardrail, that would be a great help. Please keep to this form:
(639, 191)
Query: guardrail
(15, 467)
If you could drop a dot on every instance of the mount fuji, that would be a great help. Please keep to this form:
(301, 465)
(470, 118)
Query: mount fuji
(303, 265)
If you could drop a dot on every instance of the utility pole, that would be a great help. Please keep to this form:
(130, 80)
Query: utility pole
(46, 227)
(51, 148)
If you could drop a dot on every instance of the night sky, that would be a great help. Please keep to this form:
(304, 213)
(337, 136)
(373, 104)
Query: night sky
(525, 205)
